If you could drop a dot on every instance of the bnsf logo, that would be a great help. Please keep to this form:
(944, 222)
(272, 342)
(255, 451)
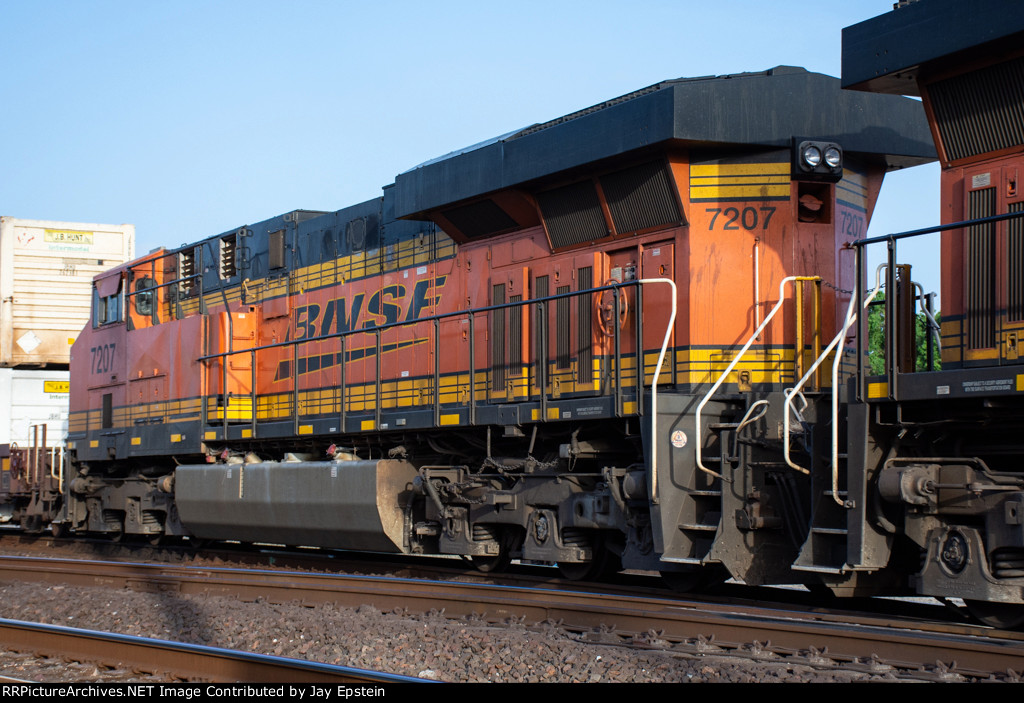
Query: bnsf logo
(388, 305)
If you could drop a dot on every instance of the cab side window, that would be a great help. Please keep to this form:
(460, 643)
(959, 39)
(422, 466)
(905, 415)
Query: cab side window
(106, 303)
(144, 296)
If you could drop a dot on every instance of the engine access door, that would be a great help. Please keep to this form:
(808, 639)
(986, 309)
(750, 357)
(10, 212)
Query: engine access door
(229, 379)
(657, 261)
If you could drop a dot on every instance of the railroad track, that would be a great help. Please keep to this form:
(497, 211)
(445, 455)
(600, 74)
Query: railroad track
(175, 661)
(933, 650)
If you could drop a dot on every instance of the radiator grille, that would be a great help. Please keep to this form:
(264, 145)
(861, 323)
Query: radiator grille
(584, 322)
(981, 271)
(1015, 264)
(981, 111)
(515, 334)
(542, 290)
(498, 340)
(562, 329)
(573, 214)
(641, 197)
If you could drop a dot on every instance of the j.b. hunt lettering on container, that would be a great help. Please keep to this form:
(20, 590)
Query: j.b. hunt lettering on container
(386, 306)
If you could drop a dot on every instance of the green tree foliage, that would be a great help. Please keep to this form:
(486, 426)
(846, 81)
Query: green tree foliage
(876, 339)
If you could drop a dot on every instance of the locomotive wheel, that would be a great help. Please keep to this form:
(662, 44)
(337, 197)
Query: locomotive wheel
(683, 581)
(694, 579)
(60, 529)
(1004, 616)
(508, 541)
(488, 564)
(604, 563)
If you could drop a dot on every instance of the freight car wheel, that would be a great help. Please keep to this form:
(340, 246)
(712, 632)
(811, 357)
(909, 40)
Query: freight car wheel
(1005, 616)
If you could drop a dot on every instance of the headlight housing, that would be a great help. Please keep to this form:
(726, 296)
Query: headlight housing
(817, 161)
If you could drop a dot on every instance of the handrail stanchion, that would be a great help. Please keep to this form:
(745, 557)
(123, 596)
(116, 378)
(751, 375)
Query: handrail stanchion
(378, 388)
(343, 402)
(542, 362)
(472, 368)
(617, 347)
(654, 381)
(639, 382)
(437, 373)
(295, 388)
(851, 317)
(252, 394)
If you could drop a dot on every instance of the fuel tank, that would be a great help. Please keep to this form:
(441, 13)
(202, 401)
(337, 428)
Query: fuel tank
(342, 504)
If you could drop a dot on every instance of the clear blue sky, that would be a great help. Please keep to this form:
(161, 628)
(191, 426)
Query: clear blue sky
(190, 118)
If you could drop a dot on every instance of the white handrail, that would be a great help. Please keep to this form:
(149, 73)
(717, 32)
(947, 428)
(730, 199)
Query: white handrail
(735, 361)
(851, 316)
(654, 381)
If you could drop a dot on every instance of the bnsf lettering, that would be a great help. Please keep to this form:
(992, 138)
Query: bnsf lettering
(102, 358)
(388, 305)
(382, 305)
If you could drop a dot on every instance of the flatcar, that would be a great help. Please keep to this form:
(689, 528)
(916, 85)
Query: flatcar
(631, 337)
(46, 273)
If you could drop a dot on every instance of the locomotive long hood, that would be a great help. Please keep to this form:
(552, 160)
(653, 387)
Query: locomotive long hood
(766, 109)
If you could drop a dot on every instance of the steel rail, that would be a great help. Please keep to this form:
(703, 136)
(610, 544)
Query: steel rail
(977, 651)
(179, 661)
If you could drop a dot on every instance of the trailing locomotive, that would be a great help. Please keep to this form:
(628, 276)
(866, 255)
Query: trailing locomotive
(943, 451)
(625, 338)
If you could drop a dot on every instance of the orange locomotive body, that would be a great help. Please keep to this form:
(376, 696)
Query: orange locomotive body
(568, 345)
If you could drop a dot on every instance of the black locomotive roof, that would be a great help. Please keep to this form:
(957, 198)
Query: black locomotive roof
(765, 109)
(885, 53)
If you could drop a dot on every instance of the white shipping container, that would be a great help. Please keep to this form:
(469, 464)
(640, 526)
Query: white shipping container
(32, 397)
(46, 272)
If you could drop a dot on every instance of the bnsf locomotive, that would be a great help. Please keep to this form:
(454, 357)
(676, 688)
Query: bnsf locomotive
(631, 337)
